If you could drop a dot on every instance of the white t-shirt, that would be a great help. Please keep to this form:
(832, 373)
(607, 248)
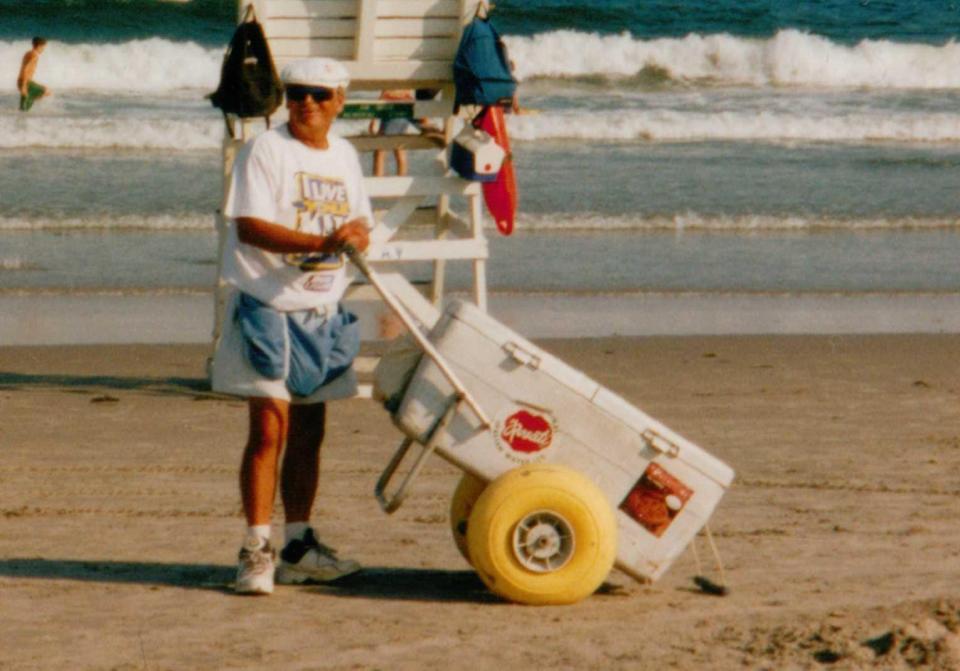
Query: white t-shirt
(279, 179)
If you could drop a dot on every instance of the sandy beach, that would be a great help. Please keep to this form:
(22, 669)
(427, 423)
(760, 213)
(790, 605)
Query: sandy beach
(120, 520)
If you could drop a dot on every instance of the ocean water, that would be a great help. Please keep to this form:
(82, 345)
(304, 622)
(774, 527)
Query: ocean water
(717, 147)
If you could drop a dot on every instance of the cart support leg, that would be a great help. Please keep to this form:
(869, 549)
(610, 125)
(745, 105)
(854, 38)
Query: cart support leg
(391, 503)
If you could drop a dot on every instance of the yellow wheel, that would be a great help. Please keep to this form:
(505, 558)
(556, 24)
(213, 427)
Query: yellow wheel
(464, 497)
(542, 534)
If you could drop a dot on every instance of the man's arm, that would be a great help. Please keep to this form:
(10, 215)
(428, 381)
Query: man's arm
(283, 240)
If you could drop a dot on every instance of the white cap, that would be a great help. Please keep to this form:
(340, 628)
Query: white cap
(324, 72)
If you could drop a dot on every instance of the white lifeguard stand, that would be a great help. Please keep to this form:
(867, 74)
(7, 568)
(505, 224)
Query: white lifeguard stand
(388, 44)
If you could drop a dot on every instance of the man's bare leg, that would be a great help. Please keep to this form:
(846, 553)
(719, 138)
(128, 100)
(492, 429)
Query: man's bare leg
(300, 473)
(269, 419)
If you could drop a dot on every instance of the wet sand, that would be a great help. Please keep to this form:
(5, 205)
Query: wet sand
(120, 520)
(186, 316)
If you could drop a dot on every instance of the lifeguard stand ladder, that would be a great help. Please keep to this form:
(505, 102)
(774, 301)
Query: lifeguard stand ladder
(388, 44)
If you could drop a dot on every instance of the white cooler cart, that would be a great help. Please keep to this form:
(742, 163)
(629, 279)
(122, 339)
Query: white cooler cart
(563, 478)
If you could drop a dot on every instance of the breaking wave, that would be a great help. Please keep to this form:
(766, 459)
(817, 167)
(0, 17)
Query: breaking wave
(789, 58)
(148, 65)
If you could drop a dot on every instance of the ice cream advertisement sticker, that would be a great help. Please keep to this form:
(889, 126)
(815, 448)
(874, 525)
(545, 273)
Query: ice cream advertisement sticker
(656, 499)
(525, 434)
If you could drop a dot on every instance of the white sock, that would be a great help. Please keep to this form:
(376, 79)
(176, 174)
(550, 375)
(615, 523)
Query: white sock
(294, 530)
(261, 530)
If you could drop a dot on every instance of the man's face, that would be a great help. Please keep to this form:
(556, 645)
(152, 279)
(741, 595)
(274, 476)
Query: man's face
(314, 108)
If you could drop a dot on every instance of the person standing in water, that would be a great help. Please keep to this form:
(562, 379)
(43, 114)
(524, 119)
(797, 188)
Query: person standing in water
(31, 91)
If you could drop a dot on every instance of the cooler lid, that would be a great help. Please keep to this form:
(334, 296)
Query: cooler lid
(522, 350)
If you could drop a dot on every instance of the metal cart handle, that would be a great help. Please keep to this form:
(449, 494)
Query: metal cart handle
(408, 321)
(391, 503)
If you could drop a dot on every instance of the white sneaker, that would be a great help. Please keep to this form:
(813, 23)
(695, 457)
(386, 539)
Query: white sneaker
(306, 559)
(255, 566)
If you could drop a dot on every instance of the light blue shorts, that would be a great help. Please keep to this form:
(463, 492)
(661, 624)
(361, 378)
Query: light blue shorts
(232, 373)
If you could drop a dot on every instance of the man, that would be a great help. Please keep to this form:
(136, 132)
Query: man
(30, 91)
(296, 198)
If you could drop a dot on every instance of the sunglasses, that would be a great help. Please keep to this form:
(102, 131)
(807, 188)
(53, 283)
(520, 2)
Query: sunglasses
(298, 93)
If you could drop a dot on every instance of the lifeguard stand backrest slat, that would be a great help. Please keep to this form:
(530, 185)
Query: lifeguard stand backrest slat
(383, 43)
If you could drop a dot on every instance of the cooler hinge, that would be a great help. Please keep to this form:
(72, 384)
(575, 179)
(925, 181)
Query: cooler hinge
(660, 444)
(522, 356)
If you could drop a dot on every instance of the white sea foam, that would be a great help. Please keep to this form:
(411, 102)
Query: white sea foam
(16, 263)
(110, 132)
(664, 125)
(50, 128)
(683, 126)
(543, 223)
(789, 58)
(107, 222)
(693, 221)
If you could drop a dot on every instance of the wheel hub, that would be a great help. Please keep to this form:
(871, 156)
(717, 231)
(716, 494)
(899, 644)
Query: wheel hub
(543, 541)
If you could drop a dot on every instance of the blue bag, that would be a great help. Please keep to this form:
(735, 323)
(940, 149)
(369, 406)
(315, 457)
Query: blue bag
(306, 349)
(481, 69)
(320, 350)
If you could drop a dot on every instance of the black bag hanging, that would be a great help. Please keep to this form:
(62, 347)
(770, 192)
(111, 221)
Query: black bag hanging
(249, 84)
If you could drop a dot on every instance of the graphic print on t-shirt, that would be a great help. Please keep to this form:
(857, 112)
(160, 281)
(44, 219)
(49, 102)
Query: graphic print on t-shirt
(323, 207)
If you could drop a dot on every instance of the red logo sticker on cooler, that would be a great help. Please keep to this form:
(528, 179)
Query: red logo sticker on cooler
(656, 499)
(524, 434)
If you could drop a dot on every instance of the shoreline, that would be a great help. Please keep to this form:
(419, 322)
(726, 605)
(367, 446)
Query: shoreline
(50, 318)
